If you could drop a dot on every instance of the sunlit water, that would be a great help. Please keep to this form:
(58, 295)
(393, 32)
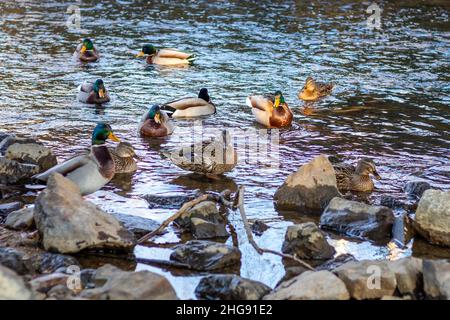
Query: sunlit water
(390, 102)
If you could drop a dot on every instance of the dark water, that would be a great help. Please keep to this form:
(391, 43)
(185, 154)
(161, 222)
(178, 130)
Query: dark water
(391, 100)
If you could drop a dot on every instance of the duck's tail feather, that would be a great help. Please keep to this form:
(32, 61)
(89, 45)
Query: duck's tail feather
(192, 58)
(168, 109)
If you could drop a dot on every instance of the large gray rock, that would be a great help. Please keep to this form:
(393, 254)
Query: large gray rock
(32, 153)
(436, 278)
(122, 285)
(68, 224)
(203, 221)
(306, 241)
(139, 226)
(311, 188)
(206, 255)
(12, 286)
(230, 287)
(310, 285)
(358, 219)
(367, 279)
(433, 217)
(408, 273)
(22, 219)
(13, 172)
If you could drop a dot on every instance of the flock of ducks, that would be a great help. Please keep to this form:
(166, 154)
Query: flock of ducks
(93, 170)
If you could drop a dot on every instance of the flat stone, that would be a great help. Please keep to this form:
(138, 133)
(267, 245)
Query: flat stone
(14, 260)
(230, 287)
(367, 279)
(44, 283)
(436, 278)
(13, 172)
(202, 229)
(310, 189)
(408, 273)
(167, 201)
(206, 255)
(22, 219)
(307, 241)
(139, 226)
(311, 285)
(32, 153)
(358, 220)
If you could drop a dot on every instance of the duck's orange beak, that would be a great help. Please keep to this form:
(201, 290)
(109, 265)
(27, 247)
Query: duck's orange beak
(83, 49)
(101, 93)
(158, 118)
(113, 137)
(140, 54)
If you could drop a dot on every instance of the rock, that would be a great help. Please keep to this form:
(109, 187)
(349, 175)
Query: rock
(14, 260)
(7, 208)
(433, 217)
(358, 220)
(22, 219)
(168, 202)
(139, 226)
(60, 292)
(10, 139)
(310, 188)
(336, 262)
(436, 278)
(292, 272)
(13, 172)
(206, 255)
(367, 279)
(51, 262)
(12, 286)
(32, 153)
(202, 229)
(142, 285)
(416, 188)
(203, 221)
(391, 202)
(105, 273)
(306, 241)
(311, 285)
(68, 224)
(259, 227)
(230, 287)
(408, 273)
(44, 283)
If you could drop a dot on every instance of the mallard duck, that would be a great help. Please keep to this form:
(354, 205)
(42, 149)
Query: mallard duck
(86, 51)
(190, 107)
(123, 155)
(214, 158)
(90, 172)
(155, 123)
(93, 92)
(270, 110)
(356, 179)
(165, 56)
(314, 90)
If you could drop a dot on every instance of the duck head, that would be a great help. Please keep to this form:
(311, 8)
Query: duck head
(203, 94)
(366, 167)
(126, 150)
(147, 49)
(279, 99)
(154, 113)
(103, 132)
(99, 88)
(88, 45)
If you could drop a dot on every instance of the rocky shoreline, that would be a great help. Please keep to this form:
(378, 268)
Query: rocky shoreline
(40, 243)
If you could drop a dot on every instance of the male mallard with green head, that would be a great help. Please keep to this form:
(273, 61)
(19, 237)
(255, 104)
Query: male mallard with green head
(190, 107)
(314, 90)
(270, 110)
(155, 123)
(86, 51)
(124, 158)
(356, 178)
(165, 56)
(90, 172)
(213, 158)
(93, 92)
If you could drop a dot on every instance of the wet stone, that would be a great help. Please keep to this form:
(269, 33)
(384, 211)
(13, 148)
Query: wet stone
(168, 202)
(259, 227)
(416, 188)
(14, 260)
(22, 219)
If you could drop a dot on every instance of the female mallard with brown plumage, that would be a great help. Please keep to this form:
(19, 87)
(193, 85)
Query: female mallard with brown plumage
(90, 172)
(124, 158)
(350, 178)
(213, 158)
(314, 90)
(190, 107)
(270, 110)
(155, 123)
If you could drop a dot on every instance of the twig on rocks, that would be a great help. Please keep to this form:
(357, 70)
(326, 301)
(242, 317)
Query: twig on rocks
(248, 231)
(166, 263)
(183, 209)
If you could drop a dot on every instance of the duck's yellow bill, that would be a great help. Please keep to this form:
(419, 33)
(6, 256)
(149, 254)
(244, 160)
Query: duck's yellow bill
(113, 137)
(101, 93)
(157, 118)
(277, 102)
(140, 54)
(83, 49)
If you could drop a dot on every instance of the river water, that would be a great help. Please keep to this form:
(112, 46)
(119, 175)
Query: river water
(390, 102)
